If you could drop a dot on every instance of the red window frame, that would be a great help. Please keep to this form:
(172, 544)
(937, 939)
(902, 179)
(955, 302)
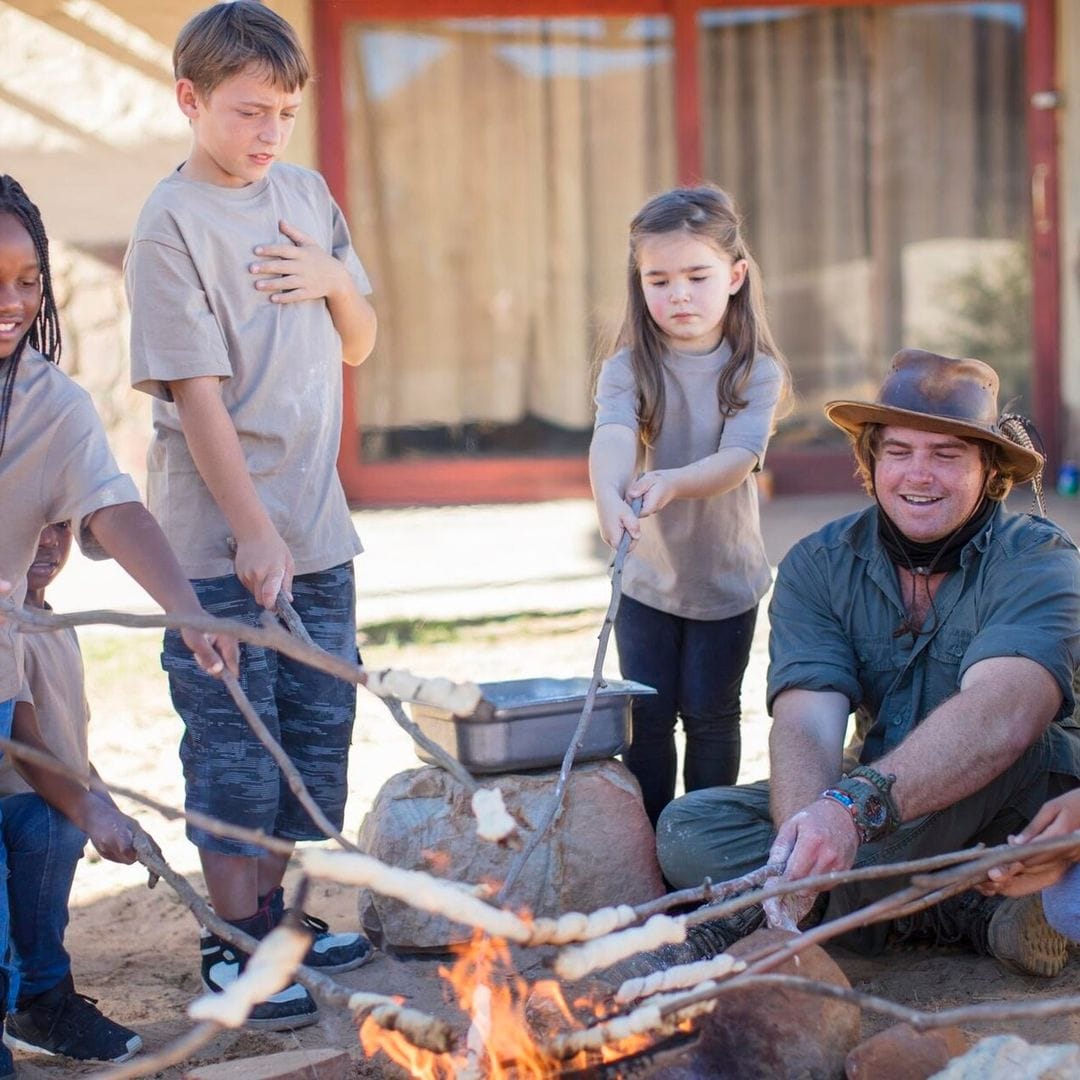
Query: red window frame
(463, 480)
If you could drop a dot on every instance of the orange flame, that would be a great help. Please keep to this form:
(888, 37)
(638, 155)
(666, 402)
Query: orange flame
(500, 1044)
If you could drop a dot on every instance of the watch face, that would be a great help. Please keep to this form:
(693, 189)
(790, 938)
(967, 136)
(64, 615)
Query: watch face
(874, 811)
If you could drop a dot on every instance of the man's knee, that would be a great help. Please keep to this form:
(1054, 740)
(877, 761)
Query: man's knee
(716, 832)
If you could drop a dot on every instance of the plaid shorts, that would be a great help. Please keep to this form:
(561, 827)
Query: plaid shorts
(228, 774)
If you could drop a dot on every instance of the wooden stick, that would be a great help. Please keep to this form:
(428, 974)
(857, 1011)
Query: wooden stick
(173, 1054)
(555, 805)
(425, 1031)
(288, 769)
(38, 620)
(445, 760)
(170, 813)
(918, 1019)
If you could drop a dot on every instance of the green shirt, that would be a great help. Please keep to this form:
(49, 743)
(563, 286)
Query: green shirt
(837, 603)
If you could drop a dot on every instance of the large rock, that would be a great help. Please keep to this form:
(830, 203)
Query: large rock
(1008, 1057)
(601, 851)
(768, 1033)
(902, 1053)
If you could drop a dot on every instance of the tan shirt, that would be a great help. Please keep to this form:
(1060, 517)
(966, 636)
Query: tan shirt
(56, 465)
(195, 312)
(698, 558)
(55, 685)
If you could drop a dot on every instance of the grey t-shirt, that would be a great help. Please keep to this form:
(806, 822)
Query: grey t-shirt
(55, 686)
(56, 466)
(195, 312)
(698, 558)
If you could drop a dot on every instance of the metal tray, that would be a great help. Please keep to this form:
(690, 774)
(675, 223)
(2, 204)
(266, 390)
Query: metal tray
(531, 724)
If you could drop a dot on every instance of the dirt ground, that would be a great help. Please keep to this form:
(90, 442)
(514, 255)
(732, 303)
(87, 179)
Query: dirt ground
(137, 950)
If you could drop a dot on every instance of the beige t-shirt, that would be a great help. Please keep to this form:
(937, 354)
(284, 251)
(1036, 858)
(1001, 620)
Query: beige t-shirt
(195, 312)
(56, 465)
(54, 684)
(698, 558)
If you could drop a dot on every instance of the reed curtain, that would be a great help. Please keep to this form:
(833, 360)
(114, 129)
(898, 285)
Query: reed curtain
(879, 155)
(493, 168)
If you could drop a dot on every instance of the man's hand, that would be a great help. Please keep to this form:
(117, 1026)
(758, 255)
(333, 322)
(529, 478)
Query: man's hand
(656, 490)
(1058, 817)
(110, 831)
(817, 840)
(298, 271)
(265, 566)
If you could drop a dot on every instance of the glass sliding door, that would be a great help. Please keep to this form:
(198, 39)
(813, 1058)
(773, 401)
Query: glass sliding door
(493, 166)
(879, 154)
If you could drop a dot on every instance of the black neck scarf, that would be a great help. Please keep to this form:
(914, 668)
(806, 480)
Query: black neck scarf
(936, 556)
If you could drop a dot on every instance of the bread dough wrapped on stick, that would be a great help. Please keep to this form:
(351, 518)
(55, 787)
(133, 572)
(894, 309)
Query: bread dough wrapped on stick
(461, 699)
(417, 888)
(576, 962)
(679, 977)
(270, 969)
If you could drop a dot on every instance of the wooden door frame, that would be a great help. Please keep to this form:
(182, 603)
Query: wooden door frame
(463, 479)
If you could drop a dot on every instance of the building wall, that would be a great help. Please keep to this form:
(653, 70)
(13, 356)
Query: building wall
(88, 125)
(1068, 38)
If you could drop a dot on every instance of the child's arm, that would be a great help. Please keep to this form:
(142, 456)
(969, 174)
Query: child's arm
(612, 456)
(305, 271)
(263, 561)
(111, 831)
(714, 475)
(1058, 817)
(131, 535)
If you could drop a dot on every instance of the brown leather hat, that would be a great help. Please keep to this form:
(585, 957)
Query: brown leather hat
(938, 393)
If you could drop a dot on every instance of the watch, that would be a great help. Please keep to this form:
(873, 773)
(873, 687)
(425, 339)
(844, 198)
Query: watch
(867, 807)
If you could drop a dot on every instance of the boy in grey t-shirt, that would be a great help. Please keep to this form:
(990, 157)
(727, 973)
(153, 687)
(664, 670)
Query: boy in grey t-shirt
(245, 295)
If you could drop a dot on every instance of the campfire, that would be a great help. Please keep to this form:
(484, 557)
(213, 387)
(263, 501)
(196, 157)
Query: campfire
(510, 1020)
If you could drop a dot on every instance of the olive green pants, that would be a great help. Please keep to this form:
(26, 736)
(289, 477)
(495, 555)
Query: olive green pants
(725, 832)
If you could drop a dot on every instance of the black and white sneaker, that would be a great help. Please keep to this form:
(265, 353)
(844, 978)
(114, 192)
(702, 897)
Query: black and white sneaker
(329, 953)
(63, 1021)
(332, 952)
(290, 1008)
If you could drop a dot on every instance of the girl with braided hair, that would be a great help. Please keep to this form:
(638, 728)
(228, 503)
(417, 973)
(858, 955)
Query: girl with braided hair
(56, 466)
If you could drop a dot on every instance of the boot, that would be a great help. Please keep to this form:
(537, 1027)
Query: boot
(1013, 930)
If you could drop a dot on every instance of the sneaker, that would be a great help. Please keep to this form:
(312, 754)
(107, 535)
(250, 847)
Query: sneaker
(1013, 930)
(290, 1008)
(63, 1021)
(329, 952)
(332, 952)
(703, 941)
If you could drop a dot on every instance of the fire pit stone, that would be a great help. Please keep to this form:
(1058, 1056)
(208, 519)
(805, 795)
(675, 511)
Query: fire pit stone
(601, 852)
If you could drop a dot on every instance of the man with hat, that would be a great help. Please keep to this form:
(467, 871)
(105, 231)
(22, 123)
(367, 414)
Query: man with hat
(951, 628)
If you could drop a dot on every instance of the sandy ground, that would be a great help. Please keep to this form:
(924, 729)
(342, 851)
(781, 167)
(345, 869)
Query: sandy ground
(137, 950)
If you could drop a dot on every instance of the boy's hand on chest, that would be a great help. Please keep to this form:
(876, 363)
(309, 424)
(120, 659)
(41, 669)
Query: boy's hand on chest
(299, 270)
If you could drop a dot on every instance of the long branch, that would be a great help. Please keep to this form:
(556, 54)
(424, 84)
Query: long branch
(175, 1053)
(555, 805)
(170, 813)
(425, 1031)
(461, 698)
(284, 763)
(917, 1018)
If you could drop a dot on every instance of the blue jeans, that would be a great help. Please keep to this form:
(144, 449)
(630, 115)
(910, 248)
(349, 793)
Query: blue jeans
(9, 977)
(696, 667)
(228, 773)
(43, 849)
